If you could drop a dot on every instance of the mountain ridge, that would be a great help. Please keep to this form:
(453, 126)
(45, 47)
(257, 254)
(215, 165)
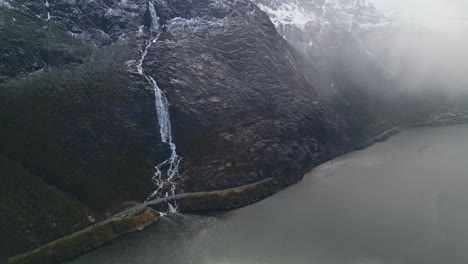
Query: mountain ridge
(249, 99)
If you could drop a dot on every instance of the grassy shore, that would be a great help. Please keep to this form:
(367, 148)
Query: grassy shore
(86, 239)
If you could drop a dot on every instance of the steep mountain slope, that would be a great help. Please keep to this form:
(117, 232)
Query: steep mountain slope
(34, 213)
(329, 34)
(361, 62)
(322, 29)
(322, 25)
(27, 45)
(240, 108)
(241, 112)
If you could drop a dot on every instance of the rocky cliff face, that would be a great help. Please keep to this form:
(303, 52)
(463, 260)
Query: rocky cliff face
(331, 37)
(262, 89)
(323, 30)
(240, 106)
(367, 64)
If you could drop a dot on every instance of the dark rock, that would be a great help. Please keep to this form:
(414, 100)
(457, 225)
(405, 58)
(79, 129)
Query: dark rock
(241, 109)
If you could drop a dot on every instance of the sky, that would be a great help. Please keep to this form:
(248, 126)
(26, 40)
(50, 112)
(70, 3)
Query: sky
(447, 15)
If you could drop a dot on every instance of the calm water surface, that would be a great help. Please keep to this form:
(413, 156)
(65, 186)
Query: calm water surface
(401, 201)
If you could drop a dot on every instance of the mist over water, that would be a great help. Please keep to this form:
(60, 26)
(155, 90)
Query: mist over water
(402, 201)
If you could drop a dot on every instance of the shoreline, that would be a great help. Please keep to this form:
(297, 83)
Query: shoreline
(137, 217)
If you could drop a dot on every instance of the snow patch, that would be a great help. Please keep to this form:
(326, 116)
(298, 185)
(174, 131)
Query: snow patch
(180, 25)
(288, 13)
(370, 26)
(5, 4)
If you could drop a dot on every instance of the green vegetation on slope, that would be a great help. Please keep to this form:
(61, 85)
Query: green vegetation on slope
(32, 212)
(85, 240)
(83, 130)
(26, 45)
(76, 126)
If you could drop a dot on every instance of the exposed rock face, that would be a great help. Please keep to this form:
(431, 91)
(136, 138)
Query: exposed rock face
(367, 64)
(26, 46)
(330, 35)
(240, 107)
(317, 26)
(100, 22)
(323, 30)
(246, 103)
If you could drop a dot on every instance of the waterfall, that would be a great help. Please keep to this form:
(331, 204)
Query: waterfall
(167, 172)
(154, 16)
(47, 6)
(47, 28)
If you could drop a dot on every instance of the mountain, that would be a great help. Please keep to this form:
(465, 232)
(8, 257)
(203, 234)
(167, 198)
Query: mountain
(318, 26)
(322, 30)
(78, 105)
(105, 104)
(372, 67)
(330, 36)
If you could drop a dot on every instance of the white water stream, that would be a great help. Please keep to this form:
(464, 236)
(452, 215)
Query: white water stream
(47, 6)
(167, 172)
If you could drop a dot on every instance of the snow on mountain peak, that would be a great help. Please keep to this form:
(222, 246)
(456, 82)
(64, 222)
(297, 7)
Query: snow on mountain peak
(288, 13)
(347, 15)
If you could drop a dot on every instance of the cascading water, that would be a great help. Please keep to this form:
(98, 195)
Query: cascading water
(154, 16)
(47, 28)
(47, 6)
(165, 182)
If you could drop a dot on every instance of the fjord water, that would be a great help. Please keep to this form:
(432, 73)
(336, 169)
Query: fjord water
(401, 201)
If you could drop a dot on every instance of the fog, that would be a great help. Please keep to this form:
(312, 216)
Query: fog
(427, 48)
(447, 15)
